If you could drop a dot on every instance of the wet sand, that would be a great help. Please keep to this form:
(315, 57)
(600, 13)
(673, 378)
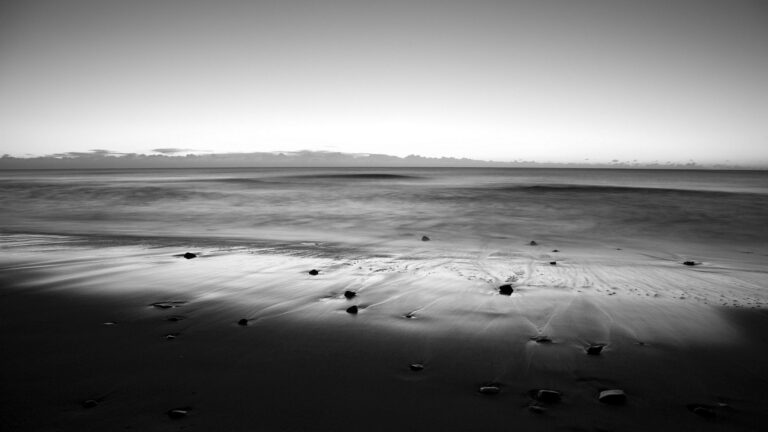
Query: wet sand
(85, 322)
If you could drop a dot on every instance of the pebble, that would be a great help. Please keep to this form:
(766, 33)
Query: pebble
(533, 243)
(538, 409)
(314, 272)
(541, 339)
(416, 367)
(243, 322)
(352, 310)
(553, 263)
(90, 403)
(177, 413)
(490, 389)
(689, 263)
(424, 238)
(506, 289)
(548, 396)
(613, 397)
(189, 255)
(349, 294)
(595, 349)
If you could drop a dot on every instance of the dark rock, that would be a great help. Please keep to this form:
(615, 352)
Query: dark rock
(553, 263)
(548, 396)
(416, 367)
(90, 403)
(349, 294)
(595, 349)
(490, 389)
(704, 411)
(424, 238)
(613, 397)
(167, 304)
(409, 315)
(176, 318)
(689, 263)
(352, 310)
(178, 413)
(555, 250)
(189, 255)
(538, 409)
(533, 243)
(314, 272)
(506, 289)
(243, 322)
(541, 339)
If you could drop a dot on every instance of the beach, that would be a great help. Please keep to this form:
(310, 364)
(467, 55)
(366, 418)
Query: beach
(391, 318)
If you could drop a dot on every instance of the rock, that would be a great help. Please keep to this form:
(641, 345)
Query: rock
(491, 389)
(352, 310)
(189, 255)
(424, 238)
(555, 250)
(533, 243)
(541, 339)
(553, 263)
(168, 304)
(595, 349)
(176, 318)
(689, 263)
(90, 403)
(506, 289)
(416, 367)
(538, 409)
(243, 322)
(548, 396)
(349, 294)
(613, 397)
(171, 336)
(314, 272)
(703, 411)
(409, 315)
(110, 323)
(178, 413)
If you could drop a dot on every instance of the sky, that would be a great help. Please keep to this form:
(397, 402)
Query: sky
(543, 80)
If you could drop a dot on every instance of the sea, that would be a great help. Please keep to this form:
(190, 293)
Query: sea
(376, 209)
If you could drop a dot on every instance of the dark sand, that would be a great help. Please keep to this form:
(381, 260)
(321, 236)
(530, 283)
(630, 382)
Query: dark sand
(674, 335)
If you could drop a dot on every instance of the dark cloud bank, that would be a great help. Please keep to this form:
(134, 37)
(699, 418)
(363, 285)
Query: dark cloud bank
(174, 158)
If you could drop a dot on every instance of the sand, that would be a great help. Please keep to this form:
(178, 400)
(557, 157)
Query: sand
(80, 323)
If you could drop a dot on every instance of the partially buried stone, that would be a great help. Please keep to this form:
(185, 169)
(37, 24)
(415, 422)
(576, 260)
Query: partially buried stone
(416, 367)
(349, 294)
(548, 396)
(506, 289)
(533, 243)
(170, 336)
(613, 397)
(90, 403)
(541, 339)
(595, 349)
(243, 322)
(424, 238)
(553, 263)
(703, 411)
(555, 250)
(177, 413)
(352, 310)
(189, 255)
(538, 409)
(314, 272)
(689, 263)
(491, 389)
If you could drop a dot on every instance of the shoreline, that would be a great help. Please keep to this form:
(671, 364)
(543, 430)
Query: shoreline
(303, 363)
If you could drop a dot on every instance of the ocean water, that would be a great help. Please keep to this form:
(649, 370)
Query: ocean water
(388, 208)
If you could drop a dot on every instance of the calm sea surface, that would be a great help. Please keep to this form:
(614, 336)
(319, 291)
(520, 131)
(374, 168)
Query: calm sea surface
(377, 206)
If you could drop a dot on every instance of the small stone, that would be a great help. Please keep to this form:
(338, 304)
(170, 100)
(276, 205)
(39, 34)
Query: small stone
(110, 323)
(243, 322)
(538, 409)
(506, 289)
(416, 367)
(409, 315)
(189, 255)
(548, 396)
(314, 272)
(689, 263)
(176, 318)
(703, 411)
(177, 413)
(162, 305)
(424, 238)
(349, 294)
(553, 263)
(90, 403)
(170, 336)
(555, 250)
(533, 243)
(352, 310)
(490, 389)
(613, 397)
(595, 349)
(541, 339)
